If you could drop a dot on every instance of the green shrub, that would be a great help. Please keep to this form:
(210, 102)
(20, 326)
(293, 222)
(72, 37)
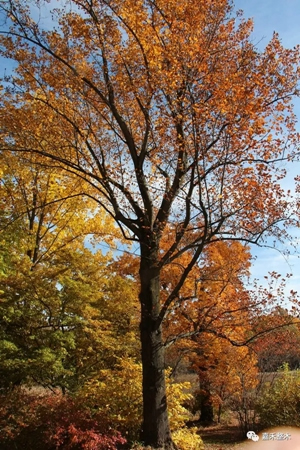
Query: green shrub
(279, 404)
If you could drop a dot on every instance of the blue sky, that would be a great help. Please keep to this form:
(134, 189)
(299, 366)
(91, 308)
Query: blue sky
(282, 16)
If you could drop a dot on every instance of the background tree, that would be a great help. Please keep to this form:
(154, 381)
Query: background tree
(216, 299)
(282, 345)
(212, 325)
(57, 326)
(227, 374)
(173, 117)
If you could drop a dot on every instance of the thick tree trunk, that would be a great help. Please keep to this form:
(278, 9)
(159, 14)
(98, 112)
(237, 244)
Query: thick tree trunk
(155, 429)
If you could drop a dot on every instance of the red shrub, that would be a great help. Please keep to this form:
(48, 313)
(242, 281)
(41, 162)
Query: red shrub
(32, 421)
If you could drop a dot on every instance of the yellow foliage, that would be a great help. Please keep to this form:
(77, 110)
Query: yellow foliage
(177, 395)
(116, 393)
(187, 439)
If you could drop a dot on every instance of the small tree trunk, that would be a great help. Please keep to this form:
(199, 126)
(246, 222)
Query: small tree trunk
(206, 412)
(219, 413)
(155, 428)
(206, 405)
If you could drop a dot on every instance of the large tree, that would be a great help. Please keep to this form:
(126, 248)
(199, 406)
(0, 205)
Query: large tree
(174, 118)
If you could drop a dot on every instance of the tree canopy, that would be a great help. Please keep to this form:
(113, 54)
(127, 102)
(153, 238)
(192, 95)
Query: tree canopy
(171, 119)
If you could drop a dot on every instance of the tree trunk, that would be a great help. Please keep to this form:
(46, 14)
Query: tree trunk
(207, 411)
(219, 413)
(155, 429)
(206, 405)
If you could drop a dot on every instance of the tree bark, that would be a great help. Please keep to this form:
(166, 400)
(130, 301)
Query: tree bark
(206, 405)
(219, 413)
(155, 429)
(206, 411)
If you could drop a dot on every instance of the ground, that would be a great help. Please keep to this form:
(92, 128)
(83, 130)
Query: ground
(223, 437)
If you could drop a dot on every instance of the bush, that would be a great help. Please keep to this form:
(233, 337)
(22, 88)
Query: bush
(279, 403)
(29, 421)
(116, 394)
(187, 439)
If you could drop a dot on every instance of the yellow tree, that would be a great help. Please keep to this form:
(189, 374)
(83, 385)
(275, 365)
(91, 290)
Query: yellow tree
(56, 327)
(172, 116)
